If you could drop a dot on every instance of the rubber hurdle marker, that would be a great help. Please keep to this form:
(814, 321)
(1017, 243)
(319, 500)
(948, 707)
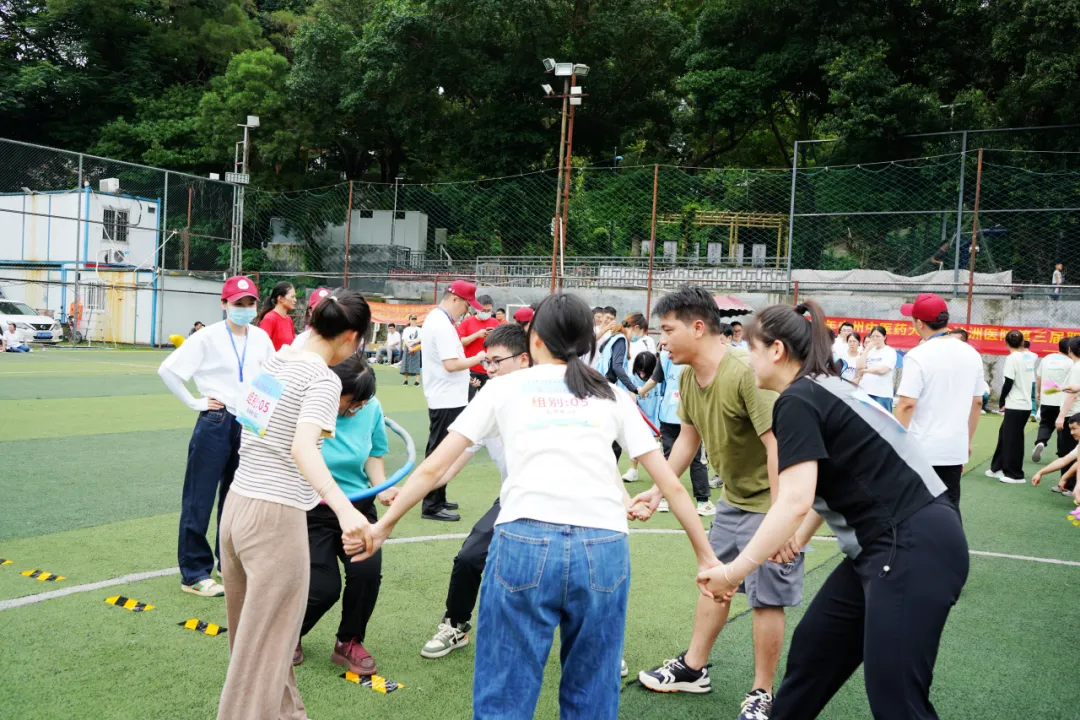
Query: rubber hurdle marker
(128, 604)
(204, 627)
(376, 683)
(4, 561)
(42, 576)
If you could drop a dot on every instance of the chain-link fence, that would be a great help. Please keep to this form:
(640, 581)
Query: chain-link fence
(843, 231)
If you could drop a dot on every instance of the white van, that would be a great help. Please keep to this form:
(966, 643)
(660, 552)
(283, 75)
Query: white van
(30, 327)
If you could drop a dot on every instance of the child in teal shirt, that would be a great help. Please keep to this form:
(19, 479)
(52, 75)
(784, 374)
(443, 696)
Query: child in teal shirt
(355, 459)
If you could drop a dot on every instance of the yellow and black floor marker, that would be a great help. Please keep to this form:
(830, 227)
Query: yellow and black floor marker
(204, 627)
(42, 576)
(128, 604)
(4, 561)
(376, 683)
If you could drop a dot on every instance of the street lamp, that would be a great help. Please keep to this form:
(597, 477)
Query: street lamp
(240, 177)
(393, 218)
(571, 96)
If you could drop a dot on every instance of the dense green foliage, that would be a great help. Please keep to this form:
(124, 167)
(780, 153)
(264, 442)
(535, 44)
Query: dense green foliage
(450, 89)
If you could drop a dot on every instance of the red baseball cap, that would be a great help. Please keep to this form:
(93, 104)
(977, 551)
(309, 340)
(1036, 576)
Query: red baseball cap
(239, 287)
(318, 296)
(927, 307)
(466, 291)
(524, 314)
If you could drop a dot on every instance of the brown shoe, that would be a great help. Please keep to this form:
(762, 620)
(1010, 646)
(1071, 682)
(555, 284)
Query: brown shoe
(298, 655)
(353, 656)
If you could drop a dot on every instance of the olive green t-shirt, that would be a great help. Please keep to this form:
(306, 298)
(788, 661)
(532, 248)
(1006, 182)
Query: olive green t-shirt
(731, 414)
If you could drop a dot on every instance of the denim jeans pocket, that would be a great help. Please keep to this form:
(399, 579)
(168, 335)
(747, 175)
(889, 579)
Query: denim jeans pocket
(214, 416)
(520, 563)
(609, 562)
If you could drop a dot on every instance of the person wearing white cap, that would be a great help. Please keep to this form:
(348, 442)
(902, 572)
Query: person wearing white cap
(446, 379)
(316, 297)
(217, 358)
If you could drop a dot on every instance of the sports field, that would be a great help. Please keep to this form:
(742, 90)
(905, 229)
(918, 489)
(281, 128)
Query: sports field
(92, 451)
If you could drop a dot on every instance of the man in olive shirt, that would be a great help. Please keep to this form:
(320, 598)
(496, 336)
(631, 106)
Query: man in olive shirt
(721, 406)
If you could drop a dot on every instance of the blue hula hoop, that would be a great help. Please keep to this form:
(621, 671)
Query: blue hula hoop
(401, 474)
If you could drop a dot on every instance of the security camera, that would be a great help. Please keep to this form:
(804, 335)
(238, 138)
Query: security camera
(549, 65)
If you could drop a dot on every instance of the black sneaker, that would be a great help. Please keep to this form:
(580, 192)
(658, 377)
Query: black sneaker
(416, 384)
(450, 506)
(675, 676)
(757, 705)
(406, 383)
(441, 514)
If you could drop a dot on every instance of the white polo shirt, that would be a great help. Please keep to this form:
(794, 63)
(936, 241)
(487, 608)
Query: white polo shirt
(439, 341)
(210, 359)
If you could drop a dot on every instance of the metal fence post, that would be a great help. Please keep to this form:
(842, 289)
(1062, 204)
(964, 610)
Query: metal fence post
(652, 245)
(74, 321)
(974, 235)
(791, 212)
(187, 232)
(348, 232)
(960, 214)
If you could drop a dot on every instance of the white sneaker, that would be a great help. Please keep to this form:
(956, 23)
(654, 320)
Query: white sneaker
(1036, 454)
(205, 588)
(663, 506)
(624, 671)
(706, 509)
(630, 476)
(1012, 481)
(996, 475)
(715, 482)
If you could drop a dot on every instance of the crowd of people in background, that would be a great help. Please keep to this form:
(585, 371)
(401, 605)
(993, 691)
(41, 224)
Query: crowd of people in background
(798, 425)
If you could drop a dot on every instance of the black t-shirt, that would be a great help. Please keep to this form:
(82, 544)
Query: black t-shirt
(871, 475)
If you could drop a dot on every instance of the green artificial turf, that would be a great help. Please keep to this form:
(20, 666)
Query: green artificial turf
(98, 448)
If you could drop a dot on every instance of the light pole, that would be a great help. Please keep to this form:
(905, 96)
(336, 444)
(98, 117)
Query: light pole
(393, 218)
(571, 95)
(240, 178)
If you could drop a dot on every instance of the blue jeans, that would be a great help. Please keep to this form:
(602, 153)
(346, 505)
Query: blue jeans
(540, 577)
(19, 348)
(885, 402)
(213, 455)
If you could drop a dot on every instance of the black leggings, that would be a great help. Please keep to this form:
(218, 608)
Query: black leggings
(889, 622)
(362, 579)
(1009, 453)
(469, 568)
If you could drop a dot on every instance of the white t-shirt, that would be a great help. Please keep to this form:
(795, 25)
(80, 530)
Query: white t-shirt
(879, 385)
(1020, 368)
(10, 340)
(642, 344)
(560, 468)
(839, 347)
(943, 375)
(211, 360)
(742, 344)
(1054, 371)
(267, 470)
(440, 342)
(1057, 279)
(851, 370)
(299, 340)
(410, 333)
(494, 445)
(393, 340)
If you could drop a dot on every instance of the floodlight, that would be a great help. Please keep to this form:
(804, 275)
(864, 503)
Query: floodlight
(581, 70)
(575, 100)
(576, 90)
(253, 121)
(549, 64)
(215, 176)
(564, 69)
(548, 89)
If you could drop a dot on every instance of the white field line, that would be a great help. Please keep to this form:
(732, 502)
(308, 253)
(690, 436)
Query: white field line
(136, 577)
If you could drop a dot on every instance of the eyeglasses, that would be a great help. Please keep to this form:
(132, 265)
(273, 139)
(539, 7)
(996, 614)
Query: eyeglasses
(493, 363)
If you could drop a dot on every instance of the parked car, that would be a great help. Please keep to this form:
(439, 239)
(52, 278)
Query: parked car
(30, 326)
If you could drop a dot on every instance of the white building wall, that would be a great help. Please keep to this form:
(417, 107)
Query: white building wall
(183, 300)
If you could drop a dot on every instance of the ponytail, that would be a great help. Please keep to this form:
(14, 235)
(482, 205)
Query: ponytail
(564, 323)
(341, 311)
(280, 290)
(807, 343)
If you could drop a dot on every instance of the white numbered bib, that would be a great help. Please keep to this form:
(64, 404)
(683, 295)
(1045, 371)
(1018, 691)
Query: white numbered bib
(261, 397)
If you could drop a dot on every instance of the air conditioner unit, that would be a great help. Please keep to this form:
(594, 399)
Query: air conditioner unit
(111, 256)
(109, 185)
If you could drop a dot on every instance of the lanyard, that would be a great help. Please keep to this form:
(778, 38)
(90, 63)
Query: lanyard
(943, 333)
(239, 358)
(447, 314)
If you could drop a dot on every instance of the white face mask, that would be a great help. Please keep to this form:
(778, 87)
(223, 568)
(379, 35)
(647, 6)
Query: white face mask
(483, 315)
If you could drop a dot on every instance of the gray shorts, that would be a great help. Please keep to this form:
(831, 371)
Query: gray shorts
(771, 585)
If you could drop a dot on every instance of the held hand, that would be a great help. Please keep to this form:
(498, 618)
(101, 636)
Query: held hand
(354, 528)
(787, 554)
(641, 393)
(370, 542)
(216, 404)
(713, 585)
(387, 496)
(639, 511)
(649, 498)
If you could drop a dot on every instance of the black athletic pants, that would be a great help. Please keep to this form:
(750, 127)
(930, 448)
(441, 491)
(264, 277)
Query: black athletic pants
(469, 568)
(439, 422)
(889, 622)
(1009, 453)
(699, 474)
(362, 579)
(950, 475)
(1065, 443)
(482, 378)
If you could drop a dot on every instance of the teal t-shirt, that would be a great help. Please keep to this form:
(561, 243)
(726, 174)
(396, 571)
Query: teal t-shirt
(356, 439)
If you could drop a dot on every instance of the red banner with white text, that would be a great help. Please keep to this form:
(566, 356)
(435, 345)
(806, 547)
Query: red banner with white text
(386, 313)
(987, 339)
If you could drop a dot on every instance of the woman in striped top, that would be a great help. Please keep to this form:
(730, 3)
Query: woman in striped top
(288, 409)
